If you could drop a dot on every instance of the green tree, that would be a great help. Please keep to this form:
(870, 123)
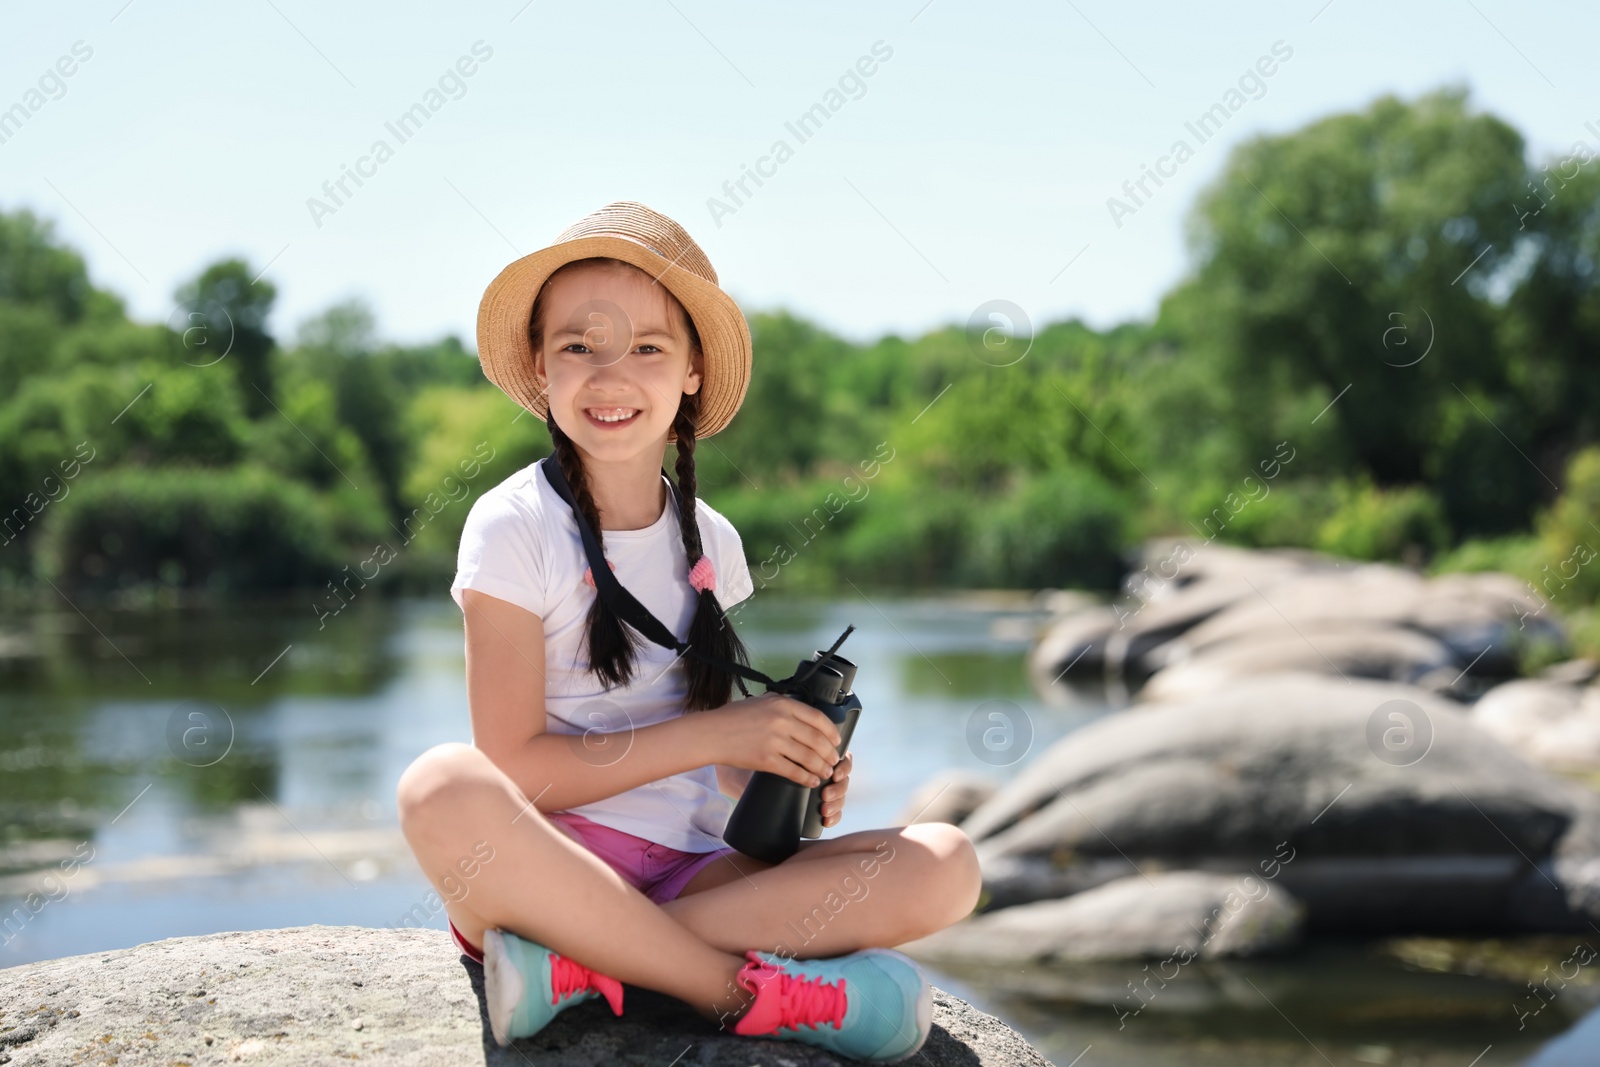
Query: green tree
(222, 316)
(1553, 321)
(36, 271)
(338, 348)
(1328, 262)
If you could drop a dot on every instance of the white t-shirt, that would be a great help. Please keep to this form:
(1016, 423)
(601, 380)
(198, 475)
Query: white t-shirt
(521, 544)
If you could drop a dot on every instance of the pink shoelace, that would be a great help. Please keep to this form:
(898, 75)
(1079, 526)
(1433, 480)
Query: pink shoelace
(784, 1001)
(568, 976)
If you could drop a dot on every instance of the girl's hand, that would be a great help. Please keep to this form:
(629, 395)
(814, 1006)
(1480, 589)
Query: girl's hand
(774, 733)
(833, 792)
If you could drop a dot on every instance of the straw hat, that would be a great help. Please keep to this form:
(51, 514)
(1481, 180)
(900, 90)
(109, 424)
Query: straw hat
(635, 234)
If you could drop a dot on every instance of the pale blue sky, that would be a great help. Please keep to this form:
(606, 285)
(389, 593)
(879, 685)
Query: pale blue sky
(975, 166)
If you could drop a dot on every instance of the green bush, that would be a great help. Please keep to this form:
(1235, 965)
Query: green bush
(1066, 528)
(1264, 513)
(467, 441)
(1585, 628)
(227, 531)
(796, 533)
(1374, 523)
(1569, 533)
(304, 439)
(906, 536)
(1517, 554)
(143, 415)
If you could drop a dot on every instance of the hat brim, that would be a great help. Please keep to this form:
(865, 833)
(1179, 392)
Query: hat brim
(506, 352)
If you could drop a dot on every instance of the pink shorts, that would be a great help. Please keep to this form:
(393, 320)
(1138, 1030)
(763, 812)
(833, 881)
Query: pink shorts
(657, 871)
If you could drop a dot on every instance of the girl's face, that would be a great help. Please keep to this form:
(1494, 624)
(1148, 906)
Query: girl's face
(616, 343)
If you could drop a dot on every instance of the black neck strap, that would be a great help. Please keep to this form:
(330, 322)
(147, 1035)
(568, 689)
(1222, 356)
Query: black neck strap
(625, 604)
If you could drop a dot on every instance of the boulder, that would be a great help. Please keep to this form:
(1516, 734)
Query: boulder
(1184, 560)
(1182, 583)
(1482, 618)
(1562, 893)
(1373, 594)
(1175, 584)
(1379, 803)
(1580, 671)
(316, 995)
(1390, 653)
(1071, 646)
(1192, 913)
(1489, 611)
(1553, 723)
(1184, 597)
(948, 796)
(1136, 646)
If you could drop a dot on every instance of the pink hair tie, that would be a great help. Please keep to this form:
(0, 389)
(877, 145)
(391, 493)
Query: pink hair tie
(588, 574)
(701, 576)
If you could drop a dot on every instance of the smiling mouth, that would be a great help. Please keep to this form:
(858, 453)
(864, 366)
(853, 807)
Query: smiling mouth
(612, 416)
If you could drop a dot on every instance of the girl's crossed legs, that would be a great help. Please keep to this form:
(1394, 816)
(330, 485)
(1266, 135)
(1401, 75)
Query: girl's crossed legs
(871, 888)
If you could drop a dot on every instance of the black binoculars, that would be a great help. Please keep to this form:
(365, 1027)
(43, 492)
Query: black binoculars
(775, 812)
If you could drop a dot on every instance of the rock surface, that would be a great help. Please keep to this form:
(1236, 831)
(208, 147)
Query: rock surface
(1384, 652)
(1187, 560)
(1176, 585)
(1186, 598)
(1482, 618)
(1073, 645)
(948, 796)
(1289, 771)
(1580, 671)
(1182, 584)
(1190, 913)
(316, 995)
(1553, 723)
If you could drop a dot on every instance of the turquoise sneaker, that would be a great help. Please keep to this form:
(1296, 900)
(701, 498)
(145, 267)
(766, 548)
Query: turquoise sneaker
(527, 985)
(874, 1004)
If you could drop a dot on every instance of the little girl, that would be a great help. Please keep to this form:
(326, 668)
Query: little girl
(603, 768)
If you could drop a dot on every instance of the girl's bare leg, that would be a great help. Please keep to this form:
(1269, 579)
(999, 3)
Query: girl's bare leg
(540, 884)
(871, 888)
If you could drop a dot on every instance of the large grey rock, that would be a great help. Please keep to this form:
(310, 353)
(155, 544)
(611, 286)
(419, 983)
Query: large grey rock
(1482, 618)
(1186, 560)
(316, 995)
(1175, 584)
(1562, 893)
(1135, 645)
(1376, 594)
(948, 796)
(1183, 597)
(1487, 612)
(1195, 914)
(1181, 583)
(1580, 671)
(1552, 723)
(1071, 646)
(1383, 652)
(1283, 770)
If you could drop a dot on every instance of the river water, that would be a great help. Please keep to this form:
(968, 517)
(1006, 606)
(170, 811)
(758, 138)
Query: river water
(190, 772)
